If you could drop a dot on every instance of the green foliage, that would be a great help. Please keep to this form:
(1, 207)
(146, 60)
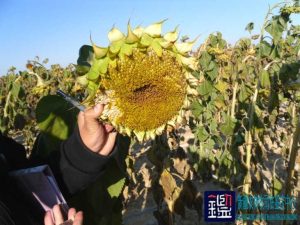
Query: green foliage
(277, 186)
(227, 128)
(265, 79)
(197, 108)
(243, 89)
(20, 92)
(56, 119)
(86, 54)
(249, 27)
(115, 189)
(202, 134)
(205, 88)
(276, 26)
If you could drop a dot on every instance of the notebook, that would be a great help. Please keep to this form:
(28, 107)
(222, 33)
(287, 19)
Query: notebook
(39, 188)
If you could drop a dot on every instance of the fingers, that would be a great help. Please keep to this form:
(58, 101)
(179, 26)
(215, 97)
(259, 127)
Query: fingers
(48, 218)
(78, 218)
(90, 114)
(58, 217)
(97, 137)
(71, 214)
(91, 117)
(108, 128)
(95, 112)
(88, 119)
(108, 147)
(80, 119)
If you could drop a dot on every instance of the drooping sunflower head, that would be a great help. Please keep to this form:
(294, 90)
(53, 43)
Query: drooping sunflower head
(144, 79)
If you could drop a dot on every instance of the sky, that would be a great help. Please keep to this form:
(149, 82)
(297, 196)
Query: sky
(56, 29)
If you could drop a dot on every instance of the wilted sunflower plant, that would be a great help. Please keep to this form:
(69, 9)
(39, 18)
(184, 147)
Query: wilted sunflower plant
(144, 78)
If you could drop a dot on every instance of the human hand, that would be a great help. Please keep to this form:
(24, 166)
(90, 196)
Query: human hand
(74, 218)
(96, 136)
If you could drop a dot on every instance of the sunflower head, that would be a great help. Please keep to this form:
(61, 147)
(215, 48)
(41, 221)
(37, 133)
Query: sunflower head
(144, 78)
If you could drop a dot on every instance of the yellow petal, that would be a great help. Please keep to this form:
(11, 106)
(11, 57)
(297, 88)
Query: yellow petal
(147, 136)
(191, 62)
(98, 51)
(191, 91)
(185, 47)
(115, 35)
(121, 130)
(151, 134)
(154, 30)
(193, 81)
(186, 103)
(165, 44)
(179, 119)
(113, 123)
(131, 36)
(188, 75)
(182, 113)
(140, 135)
(128, 131)
(171, 36)
(138, 31)
(159, 130)
(171, 123)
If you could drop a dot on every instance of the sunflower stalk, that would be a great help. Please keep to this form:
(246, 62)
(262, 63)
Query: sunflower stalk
(249, 143)
(248, 180)
(292, 161)
(7, 104)
(293, 123)
(234, 100)
(8, 99)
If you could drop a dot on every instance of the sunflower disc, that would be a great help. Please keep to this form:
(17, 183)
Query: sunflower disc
(144, 79)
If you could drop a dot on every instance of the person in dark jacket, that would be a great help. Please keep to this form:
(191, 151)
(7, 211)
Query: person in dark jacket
(80, 161)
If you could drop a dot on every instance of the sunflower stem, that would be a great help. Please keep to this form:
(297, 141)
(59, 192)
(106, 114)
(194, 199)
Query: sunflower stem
(292, 161)
(234, 100)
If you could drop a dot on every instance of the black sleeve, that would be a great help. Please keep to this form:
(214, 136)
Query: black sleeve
(75, 166)
(12, 154)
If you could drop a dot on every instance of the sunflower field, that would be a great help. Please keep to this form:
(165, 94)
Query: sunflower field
(216, 116)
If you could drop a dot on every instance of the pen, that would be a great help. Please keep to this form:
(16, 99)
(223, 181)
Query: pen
(71, 100)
